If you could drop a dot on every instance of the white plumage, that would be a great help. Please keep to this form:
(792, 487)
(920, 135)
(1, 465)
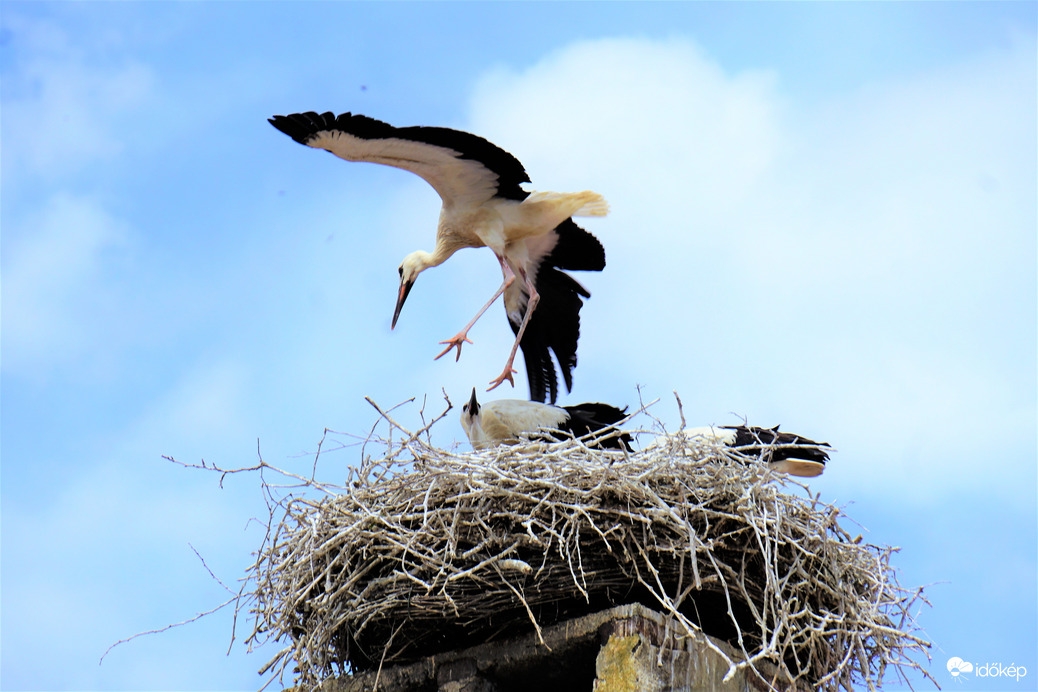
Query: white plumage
(483, 205)
(506, 421)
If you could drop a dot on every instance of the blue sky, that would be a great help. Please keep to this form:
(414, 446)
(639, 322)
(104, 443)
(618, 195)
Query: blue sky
(823, 215)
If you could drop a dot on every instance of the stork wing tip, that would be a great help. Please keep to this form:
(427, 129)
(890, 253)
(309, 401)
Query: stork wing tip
(302, 126)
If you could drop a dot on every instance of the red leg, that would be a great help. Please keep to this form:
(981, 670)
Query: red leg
(461, 337)
(535, 298)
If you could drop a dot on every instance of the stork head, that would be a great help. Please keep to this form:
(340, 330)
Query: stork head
(470, 420)
(413, 265)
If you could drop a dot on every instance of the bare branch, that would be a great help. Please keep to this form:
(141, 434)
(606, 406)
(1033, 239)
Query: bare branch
(169, 627)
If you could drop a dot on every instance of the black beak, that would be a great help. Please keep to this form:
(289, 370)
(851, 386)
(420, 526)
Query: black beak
(473, 404)
(405, 288)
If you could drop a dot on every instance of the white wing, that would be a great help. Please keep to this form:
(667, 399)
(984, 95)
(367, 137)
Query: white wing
(464, 169)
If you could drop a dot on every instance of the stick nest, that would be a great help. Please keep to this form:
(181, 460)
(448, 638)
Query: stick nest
(426, 550)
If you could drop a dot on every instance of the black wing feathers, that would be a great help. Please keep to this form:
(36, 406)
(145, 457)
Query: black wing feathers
(555, 324)
(585, 419)
(302, 127)
(751, 437)
(576, 250)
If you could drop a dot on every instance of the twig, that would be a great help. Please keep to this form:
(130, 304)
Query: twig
(168, 627)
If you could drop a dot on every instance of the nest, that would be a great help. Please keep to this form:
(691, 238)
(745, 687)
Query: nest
(426, 550)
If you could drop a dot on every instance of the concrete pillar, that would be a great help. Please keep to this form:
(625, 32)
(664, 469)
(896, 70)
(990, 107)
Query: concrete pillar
(624, 649)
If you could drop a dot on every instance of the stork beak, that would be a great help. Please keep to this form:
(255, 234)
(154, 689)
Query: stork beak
(473, 404)
(798, 467)
(405, 288)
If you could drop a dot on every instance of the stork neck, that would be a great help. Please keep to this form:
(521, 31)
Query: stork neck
(440, 254)
(420, 260)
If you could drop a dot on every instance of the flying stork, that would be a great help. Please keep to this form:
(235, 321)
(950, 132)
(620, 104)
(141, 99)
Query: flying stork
(505, 420)
(782, 451)
(531, 233)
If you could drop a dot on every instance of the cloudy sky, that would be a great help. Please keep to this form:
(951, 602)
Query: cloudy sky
(823, 215)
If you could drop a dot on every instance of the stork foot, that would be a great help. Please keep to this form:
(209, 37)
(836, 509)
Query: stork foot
(506, 375)
(459, 339)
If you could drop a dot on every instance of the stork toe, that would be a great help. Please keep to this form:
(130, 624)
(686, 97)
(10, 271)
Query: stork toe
(458, 341)
(506, 375)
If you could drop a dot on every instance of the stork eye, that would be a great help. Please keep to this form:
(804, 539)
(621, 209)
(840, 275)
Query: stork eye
(400, 271)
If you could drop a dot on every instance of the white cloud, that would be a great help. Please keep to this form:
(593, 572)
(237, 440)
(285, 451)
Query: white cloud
(67, 107)
(864, 263)
(636, 117)
(54, 285)
(65, 111)
(205, 409)
(108, 554)
(107, 551)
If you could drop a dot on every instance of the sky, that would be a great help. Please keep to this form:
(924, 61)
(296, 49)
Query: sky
(822, 216)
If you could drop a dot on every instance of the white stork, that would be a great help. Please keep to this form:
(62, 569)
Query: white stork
(504, 421)
(531, 233)
(782, 451)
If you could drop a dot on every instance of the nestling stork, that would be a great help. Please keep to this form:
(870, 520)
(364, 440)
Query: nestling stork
(530, 233)
(505, 420)
(805, 458)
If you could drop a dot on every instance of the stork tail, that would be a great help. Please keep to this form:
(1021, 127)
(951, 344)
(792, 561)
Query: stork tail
(584, 203)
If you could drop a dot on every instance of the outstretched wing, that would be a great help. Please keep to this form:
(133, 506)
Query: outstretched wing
(463, 168)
